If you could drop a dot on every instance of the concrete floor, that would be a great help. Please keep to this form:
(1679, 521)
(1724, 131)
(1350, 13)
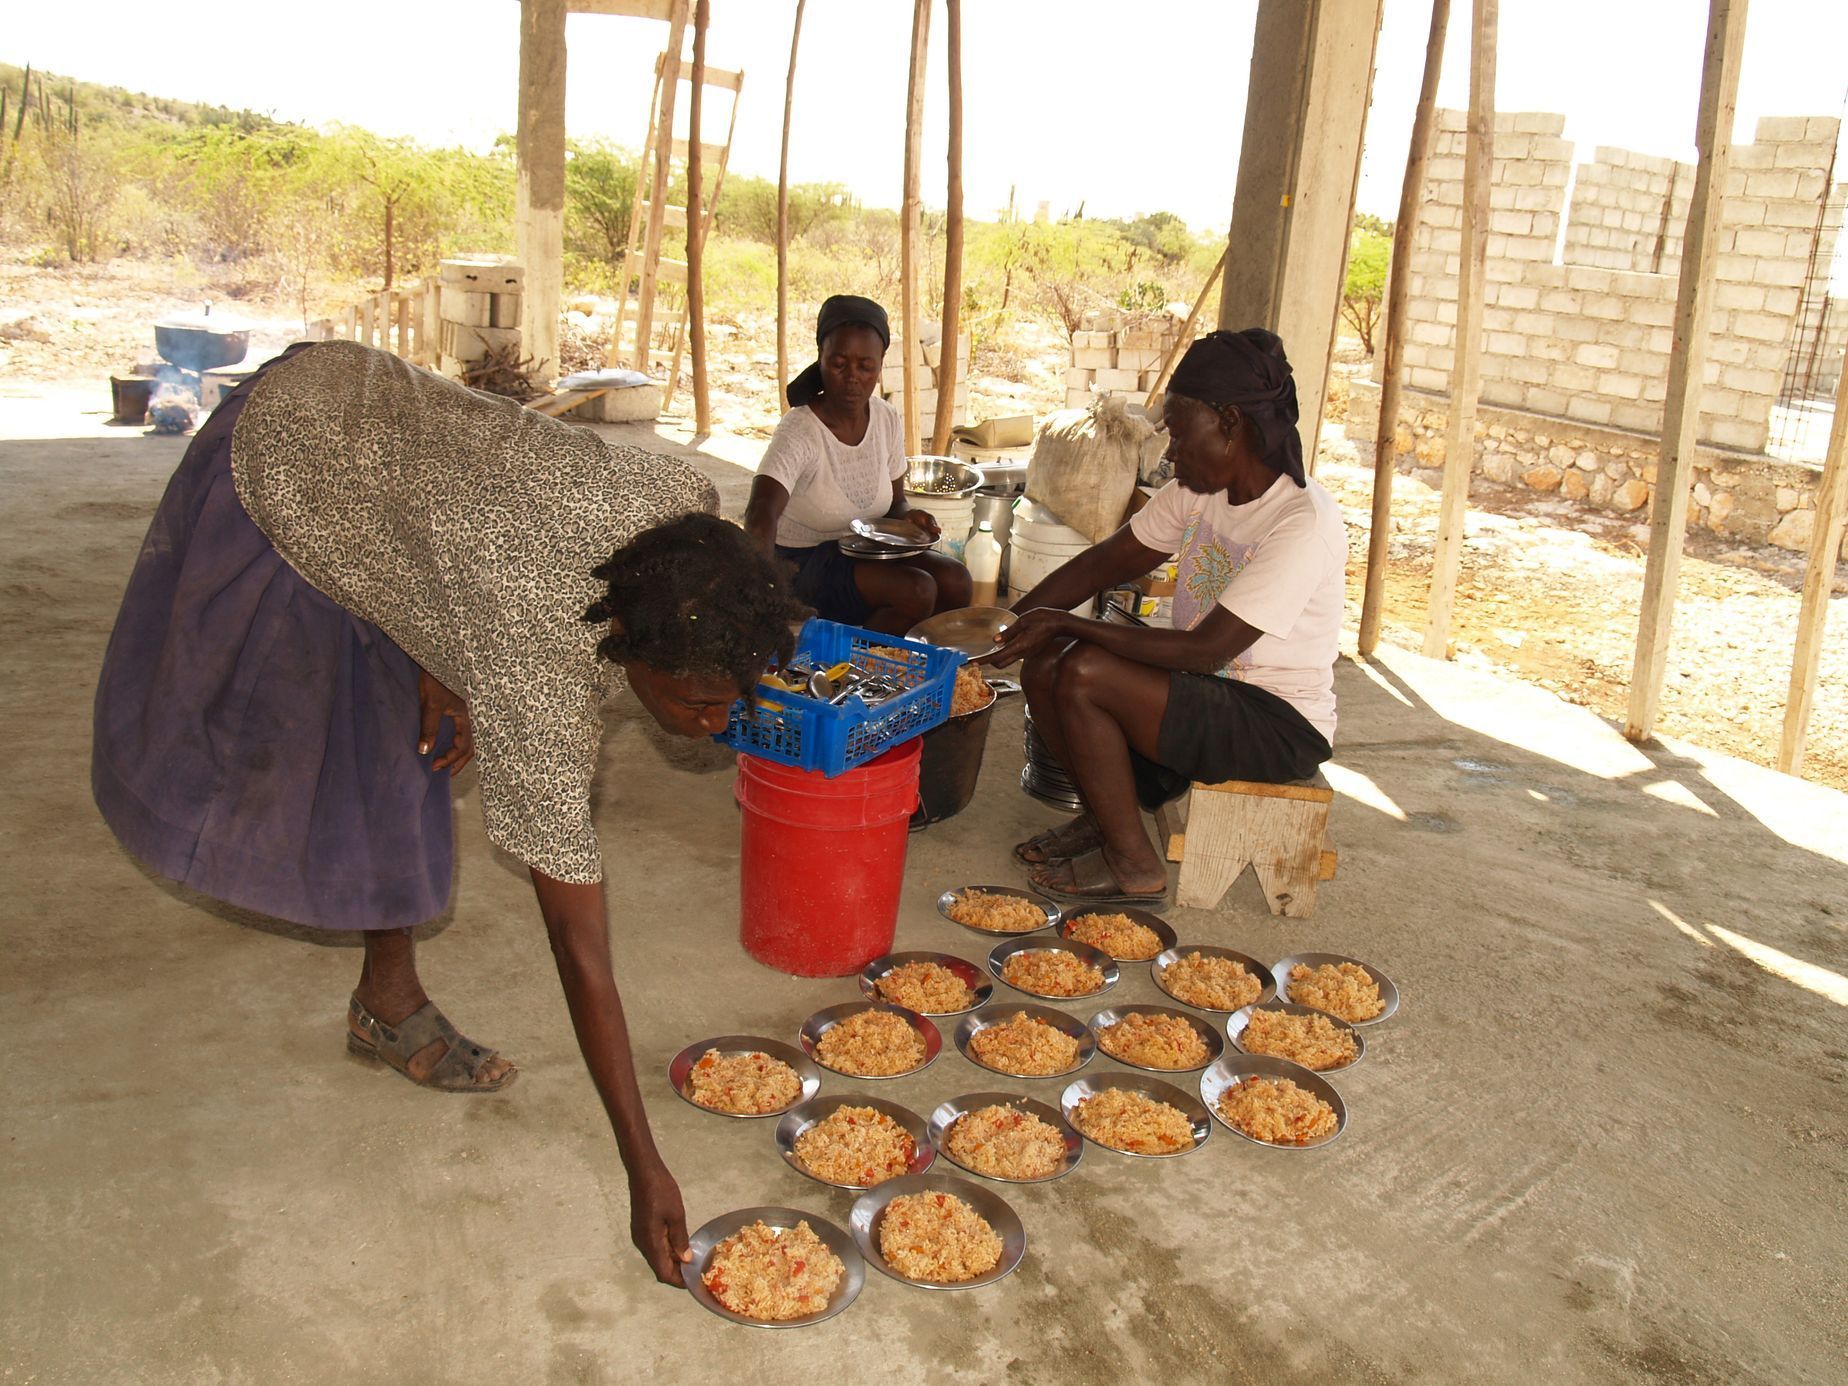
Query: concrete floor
(1602, 1141)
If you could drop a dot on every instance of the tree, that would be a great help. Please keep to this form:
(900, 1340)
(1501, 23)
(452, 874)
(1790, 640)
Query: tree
(399, 177)
(1369, 255)
(599, 201)
(82, 181)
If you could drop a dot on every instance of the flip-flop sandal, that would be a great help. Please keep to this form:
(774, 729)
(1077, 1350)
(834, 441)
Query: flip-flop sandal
(1094, 883)
(371, 1039)
(1059, 844)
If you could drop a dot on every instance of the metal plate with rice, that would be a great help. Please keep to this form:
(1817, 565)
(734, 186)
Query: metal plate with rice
(1236, 1068)
(1165, 959)
(1209, 1036)
(1000, 1013)
(953, 1111)
(680, 1069)
(1039, 902)
(869, 1211)
(798, 1119)
(705, 1241)
(1152, 922)
(967, 972)
(1182, 1101)
(1389, 994)
(826, 1019)
(1094, 957)
(1239, 1019)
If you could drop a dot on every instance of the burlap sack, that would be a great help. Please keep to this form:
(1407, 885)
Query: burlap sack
(1086, 463)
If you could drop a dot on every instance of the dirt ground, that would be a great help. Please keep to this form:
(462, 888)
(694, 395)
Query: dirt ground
(1549, 592)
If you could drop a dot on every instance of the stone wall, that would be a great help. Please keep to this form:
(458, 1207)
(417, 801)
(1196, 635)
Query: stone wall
(1590, 341)
(1756, 499)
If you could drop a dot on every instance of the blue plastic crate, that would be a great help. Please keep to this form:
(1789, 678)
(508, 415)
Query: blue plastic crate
(811, 735)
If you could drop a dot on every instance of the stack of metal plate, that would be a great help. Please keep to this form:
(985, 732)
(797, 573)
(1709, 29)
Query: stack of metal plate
(1044, 778)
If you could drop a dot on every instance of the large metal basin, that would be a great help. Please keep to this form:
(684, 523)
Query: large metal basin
(199, 342)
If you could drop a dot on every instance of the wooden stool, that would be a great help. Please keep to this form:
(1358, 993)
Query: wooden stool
(1280, 830)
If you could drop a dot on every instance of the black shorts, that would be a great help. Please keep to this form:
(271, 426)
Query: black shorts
(1222, 729)
(824, 580)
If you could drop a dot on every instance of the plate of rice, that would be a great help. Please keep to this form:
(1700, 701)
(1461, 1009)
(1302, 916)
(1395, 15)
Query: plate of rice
(1006, 1136)
(1356, 992)
(870, 1040)
(1125, 934)
(928, 983)
(990, 909)
(774, 1268)
(1160, 1039)
(743, 1076)
(854, 1142)
(1053, 971)
(1273, 1102)
(1212, 979)
(1301, 1034)
(1025, 1041)
(938, 1232)
(1133, 1114)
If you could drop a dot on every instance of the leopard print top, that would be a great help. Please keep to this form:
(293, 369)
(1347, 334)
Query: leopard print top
(465, 527)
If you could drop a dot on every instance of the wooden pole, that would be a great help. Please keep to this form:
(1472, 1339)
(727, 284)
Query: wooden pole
(1668, 516)
(911, 228)
(696, 240)
(782, 222)
(1392, 334)
(952, 243)
(1185, 340)
(1818, 582)
(1466, 367)
(657, 196)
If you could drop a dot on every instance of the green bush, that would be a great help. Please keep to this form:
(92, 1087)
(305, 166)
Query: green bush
(1369, 257)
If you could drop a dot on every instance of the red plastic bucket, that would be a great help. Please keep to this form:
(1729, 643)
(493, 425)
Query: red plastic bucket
(822, 861)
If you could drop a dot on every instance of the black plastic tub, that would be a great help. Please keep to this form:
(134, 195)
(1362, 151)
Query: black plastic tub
(951, 764)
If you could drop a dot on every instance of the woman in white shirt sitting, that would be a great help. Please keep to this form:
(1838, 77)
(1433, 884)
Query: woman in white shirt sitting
(1242, 686)
(838, 456)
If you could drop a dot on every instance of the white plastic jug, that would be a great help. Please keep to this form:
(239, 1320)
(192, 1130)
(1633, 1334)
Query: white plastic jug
(982, 556)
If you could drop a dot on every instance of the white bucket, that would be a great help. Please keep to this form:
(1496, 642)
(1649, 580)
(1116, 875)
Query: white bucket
(955, 515)
(1031, 561)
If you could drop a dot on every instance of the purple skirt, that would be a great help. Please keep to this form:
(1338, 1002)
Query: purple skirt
(254, 740)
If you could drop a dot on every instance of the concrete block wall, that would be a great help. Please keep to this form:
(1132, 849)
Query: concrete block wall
(1629, 212)
(1590, 343)
(1118, 355)
(892, 376)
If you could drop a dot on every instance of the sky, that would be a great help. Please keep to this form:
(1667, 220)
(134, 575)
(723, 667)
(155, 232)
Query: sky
(1118, 106)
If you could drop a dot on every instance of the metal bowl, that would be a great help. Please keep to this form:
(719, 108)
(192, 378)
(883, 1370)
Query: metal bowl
(823, 1020)
(972, 1025)
(1209, 1036)
(1235, 1068)
(1257, 969)
(1051, 911)
(970, 974)
(680, 1068)
(940, 478)
(705, 1241)
(799, 1119)
(1151, 922)
(970, 629)
(953, 1111)
(1091, 1084)
(1239, 1019)
(1096, 957)
(1389, 994)
(870, 1207)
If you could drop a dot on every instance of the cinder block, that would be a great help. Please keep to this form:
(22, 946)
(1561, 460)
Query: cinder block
(1620, 385)
(472, 343)
(933, 354)
(1115, 379)
(1078, 399)
(1138, 358)
(473, 309)
(1077, 378)
(1596, 354)
(483, 274)
(1094, 358)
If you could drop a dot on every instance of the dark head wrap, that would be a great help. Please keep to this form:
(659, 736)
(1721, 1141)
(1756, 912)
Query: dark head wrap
(842, 310)
(1248, 369)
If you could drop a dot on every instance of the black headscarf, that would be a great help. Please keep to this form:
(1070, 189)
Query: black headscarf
(841, 310)
(1248, 369)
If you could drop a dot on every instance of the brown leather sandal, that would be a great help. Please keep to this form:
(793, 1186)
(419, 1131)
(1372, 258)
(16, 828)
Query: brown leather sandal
(1062, 843)
(371, 1039)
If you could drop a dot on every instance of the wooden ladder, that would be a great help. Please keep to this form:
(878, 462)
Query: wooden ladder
(631, 341)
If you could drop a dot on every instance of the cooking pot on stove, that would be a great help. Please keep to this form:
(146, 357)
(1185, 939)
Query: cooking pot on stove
(200, 342)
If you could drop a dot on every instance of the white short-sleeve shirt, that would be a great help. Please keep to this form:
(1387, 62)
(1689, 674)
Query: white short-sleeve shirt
(831, 484)
(1278, 563)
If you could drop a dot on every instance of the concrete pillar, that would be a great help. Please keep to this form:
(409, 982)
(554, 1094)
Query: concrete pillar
(539, 208)
(1305, 118)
